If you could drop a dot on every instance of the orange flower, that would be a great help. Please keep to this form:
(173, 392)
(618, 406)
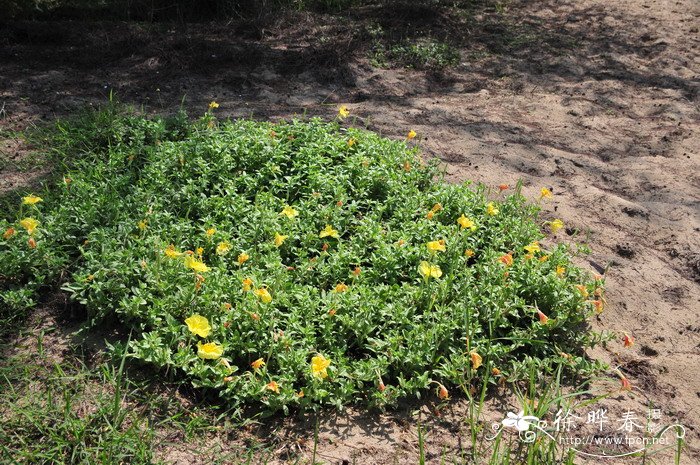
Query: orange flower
(9, 233)
(503, 187)
(32, 243)
(543, 318)
(198, 280)
(582, 289)
(273, 386)
(495, 371)
(443, 393)
(476, 359)
(247, 284)
(598, 304)
(356, 272)
(255, 316)
(411, 134)
(406, 166)
(257, 364)
(506, 259)
(381, 386)
(332, 312)
(626, 385)
(628, 340)
(437, 207)
(430, 215)
(242, 258)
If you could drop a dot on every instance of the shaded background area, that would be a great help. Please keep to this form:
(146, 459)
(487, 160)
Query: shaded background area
(598, 101)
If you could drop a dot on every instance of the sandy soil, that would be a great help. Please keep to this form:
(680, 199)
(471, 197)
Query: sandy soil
(596, 100)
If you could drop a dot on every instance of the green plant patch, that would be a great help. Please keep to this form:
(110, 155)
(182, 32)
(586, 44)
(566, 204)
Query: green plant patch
(298, 264)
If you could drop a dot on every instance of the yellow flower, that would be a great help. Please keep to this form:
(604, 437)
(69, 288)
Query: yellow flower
(411, 134)
(289, 212)
(263, 294)
(30, 224)
(560, 270)
(437, 207)
(213, 105)
(329, 231)
(465, 223)
(429, 271)
(544, 258)
(196, 265)
(491, 209)
(545, 193)
(341, 287)
(242, 258)
(211, 231)
(319, 364)
(31, 200)
(200, 251)
(143, 224)
(469, 253)
(532, 247)
(279, 239)
(273, 386)
(199, 325)
(351, 142)
(247, 284)
(556, 225)
(257, 364)
(223, 248)
(436, 246)
(209, 351)
(171, 252)
(476, 359)
(430, 215)
(343, 112)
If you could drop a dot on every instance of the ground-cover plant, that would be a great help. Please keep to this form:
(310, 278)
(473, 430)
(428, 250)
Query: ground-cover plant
(298, 263)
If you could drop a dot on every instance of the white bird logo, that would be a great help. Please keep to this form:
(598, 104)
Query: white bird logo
(520, 421)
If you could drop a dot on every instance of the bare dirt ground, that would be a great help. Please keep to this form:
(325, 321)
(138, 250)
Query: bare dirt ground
(600, 101)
